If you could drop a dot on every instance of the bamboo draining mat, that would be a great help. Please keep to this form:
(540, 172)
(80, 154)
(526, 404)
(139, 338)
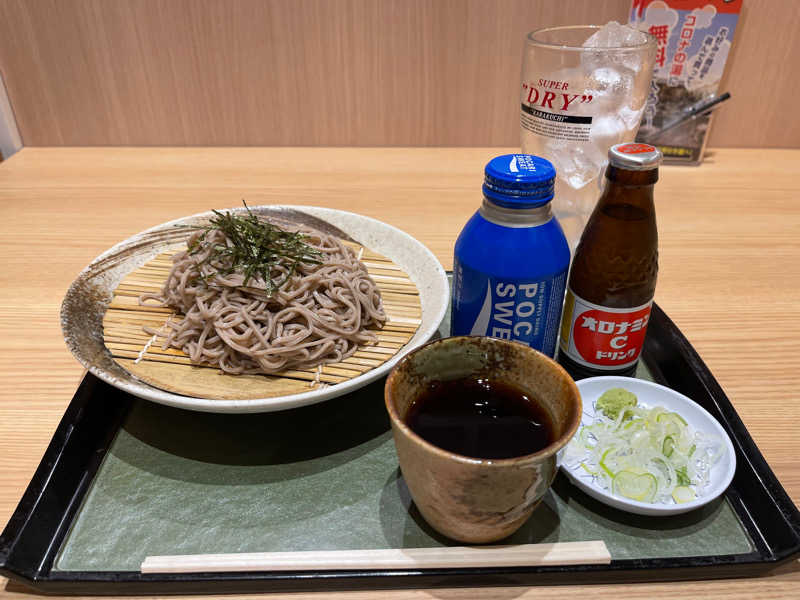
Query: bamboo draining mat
(170, 369)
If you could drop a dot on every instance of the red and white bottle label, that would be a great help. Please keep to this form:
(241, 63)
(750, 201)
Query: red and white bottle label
(600, 337)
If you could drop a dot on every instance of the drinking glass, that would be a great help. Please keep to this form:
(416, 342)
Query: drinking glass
(577, 101)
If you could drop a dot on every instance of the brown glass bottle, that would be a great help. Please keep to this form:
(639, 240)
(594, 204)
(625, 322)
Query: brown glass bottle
(613, 277)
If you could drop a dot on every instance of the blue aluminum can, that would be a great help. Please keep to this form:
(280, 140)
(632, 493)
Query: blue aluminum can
(511, 258)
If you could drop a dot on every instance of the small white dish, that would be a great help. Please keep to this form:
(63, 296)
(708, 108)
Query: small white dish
(651, 394)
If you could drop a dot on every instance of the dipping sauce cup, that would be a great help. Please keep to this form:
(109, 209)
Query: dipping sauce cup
(469, 499)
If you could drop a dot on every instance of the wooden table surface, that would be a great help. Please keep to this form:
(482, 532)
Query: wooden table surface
(729, 277)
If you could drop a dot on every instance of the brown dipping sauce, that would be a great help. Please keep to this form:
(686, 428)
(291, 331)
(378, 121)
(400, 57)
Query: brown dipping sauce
(481, 418)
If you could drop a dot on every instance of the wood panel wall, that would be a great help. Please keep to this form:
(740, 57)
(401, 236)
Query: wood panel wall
(330, 72)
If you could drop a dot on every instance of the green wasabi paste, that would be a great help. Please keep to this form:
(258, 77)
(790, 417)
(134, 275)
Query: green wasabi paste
(615, 400)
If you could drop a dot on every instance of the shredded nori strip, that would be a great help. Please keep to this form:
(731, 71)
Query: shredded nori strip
(255, 248)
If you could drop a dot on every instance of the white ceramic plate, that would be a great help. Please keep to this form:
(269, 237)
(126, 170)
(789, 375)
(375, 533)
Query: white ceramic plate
(89, 295)
(651, 394)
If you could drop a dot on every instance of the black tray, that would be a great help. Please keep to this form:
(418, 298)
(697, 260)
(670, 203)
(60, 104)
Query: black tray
(33, 537)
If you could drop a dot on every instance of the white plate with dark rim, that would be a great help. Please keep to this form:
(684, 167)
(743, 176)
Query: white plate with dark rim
(651, 394)
(88, 297)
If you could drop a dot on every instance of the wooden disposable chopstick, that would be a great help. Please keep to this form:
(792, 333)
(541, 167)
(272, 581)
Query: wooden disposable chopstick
(560, 553)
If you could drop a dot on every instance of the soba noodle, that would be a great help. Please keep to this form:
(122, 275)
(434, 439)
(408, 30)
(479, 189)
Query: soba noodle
(319, 315)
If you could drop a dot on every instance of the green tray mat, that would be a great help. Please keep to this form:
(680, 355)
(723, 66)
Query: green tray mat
(323, 477)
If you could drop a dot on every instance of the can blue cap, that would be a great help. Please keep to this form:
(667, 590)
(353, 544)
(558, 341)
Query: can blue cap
(519, 180)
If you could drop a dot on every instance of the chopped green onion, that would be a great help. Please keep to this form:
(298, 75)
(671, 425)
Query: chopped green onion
(683, 478)
(641, 487)
(682, 494)
(668, 447)
(622, 445)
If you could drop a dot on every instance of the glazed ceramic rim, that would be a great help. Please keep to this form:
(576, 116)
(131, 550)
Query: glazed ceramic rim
(717, 487)
(438, 295)
(550, 450)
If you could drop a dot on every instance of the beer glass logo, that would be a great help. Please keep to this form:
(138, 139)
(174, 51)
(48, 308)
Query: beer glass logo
(610, 339)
